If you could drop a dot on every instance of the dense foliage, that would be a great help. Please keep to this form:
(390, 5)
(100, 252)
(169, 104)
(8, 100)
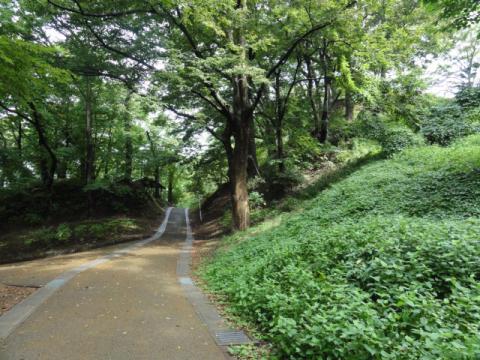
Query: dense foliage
(170, 91)
(384, 264)
(106, 106)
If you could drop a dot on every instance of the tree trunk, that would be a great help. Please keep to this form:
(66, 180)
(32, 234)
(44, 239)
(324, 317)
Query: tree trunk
(106, 168)
(157, 182)
(280, 155)
(128, 140)
(62, 170)
(89, 171)
(242, 125)
(62, 164)
(47, 171)
(327, 88)
(322, 136)
(171, 177)
(239, 179)
(280, 109)
(311, 96)
(252, 167)
(153, 150)
(349, 106)
(19, 137)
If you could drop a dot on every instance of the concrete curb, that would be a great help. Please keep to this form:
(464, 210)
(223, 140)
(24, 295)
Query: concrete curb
(20, 312)
(208, 314)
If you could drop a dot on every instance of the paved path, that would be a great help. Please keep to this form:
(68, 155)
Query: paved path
(131, 307)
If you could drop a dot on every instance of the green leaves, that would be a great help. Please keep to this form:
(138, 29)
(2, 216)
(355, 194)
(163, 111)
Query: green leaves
(27, 72)
(382, 265)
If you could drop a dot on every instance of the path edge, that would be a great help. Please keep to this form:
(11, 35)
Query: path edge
(223, 334)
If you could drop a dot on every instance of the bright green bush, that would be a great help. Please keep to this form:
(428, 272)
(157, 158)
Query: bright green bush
(396, 139)
(392, 137)
(444, 124)
(382, 265)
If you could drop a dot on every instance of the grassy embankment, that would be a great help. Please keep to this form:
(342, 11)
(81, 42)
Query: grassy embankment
(383, 264)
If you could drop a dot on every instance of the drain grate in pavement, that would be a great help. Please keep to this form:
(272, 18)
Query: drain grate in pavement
(231, 337)
(185, 281)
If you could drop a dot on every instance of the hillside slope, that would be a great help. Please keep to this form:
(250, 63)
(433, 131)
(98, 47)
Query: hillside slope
(384, 264)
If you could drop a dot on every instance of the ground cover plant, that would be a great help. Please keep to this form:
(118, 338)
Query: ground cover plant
(383, 264)
(71, 236)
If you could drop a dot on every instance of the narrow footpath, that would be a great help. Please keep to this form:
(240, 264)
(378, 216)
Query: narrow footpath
(129, 307)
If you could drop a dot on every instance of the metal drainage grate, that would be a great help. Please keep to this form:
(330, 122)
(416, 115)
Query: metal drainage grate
(185, 281)
(231, 337)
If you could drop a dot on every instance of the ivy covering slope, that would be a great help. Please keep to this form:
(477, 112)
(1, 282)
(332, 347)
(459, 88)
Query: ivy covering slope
(384, 264)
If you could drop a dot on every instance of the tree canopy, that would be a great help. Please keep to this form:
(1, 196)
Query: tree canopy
(121, 90)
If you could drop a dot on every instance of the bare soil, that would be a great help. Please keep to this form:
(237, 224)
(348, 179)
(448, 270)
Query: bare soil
(12, 295)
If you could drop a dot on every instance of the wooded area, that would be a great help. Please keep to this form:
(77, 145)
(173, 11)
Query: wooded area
(335, 143)
(106, 91)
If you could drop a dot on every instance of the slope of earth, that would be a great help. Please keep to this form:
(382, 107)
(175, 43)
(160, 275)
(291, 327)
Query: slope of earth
(383, 264)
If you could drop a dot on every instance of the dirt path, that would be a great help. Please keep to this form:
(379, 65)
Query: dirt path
(131, 307)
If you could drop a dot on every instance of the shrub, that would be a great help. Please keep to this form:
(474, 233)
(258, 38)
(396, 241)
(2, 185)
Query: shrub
(341, 130)
(256, 200)
(444, 124)
(43, 237)
(357, 149)
(396, 139)
(64, 233)
(392, 137)
(276, 183)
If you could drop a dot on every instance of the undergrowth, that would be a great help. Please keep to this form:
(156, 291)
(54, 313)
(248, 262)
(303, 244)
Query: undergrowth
(383, 264)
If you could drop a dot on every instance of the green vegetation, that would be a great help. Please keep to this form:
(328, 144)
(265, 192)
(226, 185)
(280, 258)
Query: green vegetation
(345, 131)
(383, 264)
(86, 234)
(181, 97)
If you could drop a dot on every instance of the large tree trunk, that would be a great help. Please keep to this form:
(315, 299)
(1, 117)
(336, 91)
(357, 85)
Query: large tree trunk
(89, 170)
(239, 179)
(128, 140)
(242, 126)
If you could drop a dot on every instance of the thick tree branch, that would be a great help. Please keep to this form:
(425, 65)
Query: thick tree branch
(194, 118)
(16, 112)
(210, 102)
(180, 113)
